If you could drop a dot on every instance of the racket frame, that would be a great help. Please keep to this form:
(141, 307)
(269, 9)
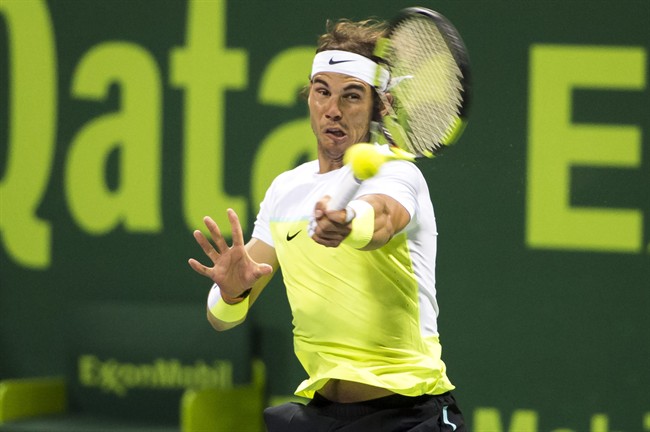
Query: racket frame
(392, 125)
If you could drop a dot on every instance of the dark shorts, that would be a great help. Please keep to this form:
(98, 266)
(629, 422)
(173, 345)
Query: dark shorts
(388, 414)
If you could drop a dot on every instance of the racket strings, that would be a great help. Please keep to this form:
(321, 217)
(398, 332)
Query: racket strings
(431, 94)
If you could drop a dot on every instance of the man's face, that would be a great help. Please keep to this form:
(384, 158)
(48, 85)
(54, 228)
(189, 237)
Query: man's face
(340, 108)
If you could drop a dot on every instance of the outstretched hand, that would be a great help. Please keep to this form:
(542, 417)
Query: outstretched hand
(232, 268)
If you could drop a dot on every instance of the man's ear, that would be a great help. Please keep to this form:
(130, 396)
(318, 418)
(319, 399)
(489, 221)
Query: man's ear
(389, 98)
(304, 92)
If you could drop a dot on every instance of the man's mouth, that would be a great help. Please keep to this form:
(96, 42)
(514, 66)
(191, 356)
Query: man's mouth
(335, 133)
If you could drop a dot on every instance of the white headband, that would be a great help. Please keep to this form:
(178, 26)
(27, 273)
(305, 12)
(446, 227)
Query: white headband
(352, 64)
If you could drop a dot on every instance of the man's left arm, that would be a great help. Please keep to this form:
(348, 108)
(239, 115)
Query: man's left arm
(377, 219)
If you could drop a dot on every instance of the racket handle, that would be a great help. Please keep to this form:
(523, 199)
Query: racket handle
(339, 201)
(345, 192)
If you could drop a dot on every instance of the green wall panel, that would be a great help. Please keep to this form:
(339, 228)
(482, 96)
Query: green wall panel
(122, 123)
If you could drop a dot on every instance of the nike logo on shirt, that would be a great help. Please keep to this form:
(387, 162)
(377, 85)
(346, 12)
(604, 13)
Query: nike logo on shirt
(291, 237)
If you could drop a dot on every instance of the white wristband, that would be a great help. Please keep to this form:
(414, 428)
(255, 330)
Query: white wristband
(224, 311)
(362, 223)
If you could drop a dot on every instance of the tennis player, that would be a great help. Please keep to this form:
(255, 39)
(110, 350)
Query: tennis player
(362, 291)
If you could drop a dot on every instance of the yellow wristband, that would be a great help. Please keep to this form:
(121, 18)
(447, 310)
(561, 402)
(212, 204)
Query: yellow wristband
(224, 311)
(363, 224)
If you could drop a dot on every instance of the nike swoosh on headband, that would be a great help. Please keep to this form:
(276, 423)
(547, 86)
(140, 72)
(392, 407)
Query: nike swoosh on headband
(333, 62)
(359, 67)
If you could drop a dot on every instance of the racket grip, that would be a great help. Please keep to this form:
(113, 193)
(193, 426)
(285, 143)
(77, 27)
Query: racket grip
(345, 192)
(339, 200)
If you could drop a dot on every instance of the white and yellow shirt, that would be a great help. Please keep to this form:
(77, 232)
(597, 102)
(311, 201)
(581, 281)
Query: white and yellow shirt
(362, 316)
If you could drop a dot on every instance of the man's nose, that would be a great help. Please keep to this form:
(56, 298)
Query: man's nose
(333, 110)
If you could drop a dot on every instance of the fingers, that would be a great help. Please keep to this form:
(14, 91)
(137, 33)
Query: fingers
(198, 267)
(338, 217)
(220, 245)
(215, 233)
(330, 226)
(207, 248)
(327, 242)
(262, 270)
(235, 226)
(217, 238)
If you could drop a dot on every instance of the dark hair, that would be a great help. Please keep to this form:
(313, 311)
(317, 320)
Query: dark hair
(357, 37)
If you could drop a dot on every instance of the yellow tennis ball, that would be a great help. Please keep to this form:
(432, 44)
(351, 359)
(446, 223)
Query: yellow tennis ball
(364, 159)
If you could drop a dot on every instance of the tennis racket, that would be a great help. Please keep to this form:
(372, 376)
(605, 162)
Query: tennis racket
(430, 86)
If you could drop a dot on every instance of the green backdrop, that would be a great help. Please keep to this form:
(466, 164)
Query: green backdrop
(122, 123)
